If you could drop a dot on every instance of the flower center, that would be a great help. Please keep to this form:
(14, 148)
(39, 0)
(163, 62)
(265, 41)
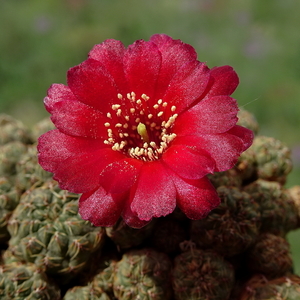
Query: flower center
(140, 130)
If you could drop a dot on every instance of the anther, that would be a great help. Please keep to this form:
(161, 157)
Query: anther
(115, 106)
(153, 144)
(145, 97)
(136, 150)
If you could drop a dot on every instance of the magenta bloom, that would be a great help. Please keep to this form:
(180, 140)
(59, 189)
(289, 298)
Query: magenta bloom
(139, 128)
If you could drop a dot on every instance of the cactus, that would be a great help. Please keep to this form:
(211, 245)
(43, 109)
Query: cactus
(273, 159)
(201, 275)
(143, 274)
(100, 286)
(248, 120)
(294, 194)
(40, 128)
(230, 178)
(270, 256)
(13, 130)
(10, 154)
(9, 199)
(238, 252)
(283, 288)
(25, 281)
(278, 210)
(89, 292)
(46, 230)
(232, 227)
(29, 172)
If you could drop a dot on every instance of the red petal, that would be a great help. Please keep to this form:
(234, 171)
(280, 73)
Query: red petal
(77, 119)
(245, 134)
(154, 194)
(196, 198)
(211, 115)
(93, 85)
(142, 62)
(119, 176)
(174, 54)
(110, 54)
(224, 148)
(131, 219)
(75, 162)
(101, 208)
(187, 85)
(189, 162)
(224, 81)
(57, 92)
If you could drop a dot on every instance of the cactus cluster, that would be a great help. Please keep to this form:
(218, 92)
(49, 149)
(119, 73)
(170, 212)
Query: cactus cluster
(238, 252)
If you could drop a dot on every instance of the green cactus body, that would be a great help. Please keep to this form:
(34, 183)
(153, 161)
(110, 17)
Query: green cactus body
(248, 120)
(25, 281)
(89, 292)
(294, 193)
(230, 228)
(278, 213)
(273, 159)
(9, 199)
(46, 230)
(201, 275)
(28, 171)
(100, 287)
(143, 275)
(230, 178)
(41, 127)
(13, 130)
(283, 288)
(9, 156)
(247, 165)
(104, 279)
(270, 256)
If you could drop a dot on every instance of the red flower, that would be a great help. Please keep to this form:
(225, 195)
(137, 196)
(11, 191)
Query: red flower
(139, 128)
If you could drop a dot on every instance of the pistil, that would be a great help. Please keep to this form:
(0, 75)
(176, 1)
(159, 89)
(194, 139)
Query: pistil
(142, 131)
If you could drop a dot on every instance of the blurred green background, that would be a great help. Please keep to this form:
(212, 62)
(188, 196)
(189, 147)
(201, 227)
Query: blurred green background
(41, 40)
